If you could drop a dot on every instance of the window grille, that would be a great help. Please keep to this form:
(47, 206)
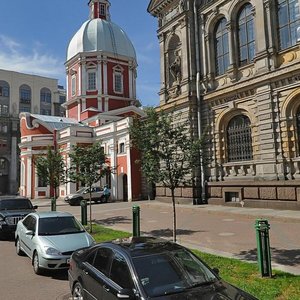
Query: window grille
(239, 141)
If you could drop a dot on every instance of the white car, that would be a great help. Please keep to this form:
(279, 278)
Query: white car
(49, 239)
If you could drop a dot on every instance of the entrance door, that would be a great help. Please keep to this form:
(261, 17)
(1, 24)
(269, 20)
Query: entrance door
(125, 188)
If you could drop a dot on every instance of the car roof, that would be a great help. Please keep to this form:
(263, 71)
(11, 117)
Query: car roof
(139, 246)
(51, 214)
(9, 197)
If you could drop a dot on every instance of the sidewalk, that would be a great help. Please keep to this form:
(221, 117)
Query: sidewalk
(219, 230)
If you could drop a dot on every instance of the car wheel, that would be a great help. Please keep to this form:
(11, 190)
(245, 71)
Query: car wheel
(18, 248)
(36, 264)
(77, 291)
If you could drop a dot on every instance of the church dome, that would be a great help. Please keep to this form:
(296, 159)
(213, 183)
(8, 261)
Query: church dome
(101, 35)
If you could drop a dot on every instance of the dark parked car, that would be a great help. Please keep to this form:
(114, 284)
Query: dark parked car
(145, 268)
(12, 210)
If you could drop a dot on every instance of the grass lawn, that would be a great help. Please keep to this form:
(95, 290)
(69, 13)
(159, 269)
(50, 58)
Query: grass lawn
(282, 286)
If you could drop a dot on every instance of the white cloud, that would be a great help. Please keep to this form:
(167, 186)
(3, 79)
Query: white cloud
(15, 57)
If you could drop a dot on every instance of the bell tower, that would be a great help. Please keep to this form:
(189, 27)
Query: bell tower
(99, 9)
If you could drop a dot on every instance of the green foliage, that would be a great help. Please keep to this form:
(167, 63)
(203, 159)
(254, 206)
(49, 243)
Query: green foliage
(169, 151)
(51, 168)
(168, 148)
(88, 166)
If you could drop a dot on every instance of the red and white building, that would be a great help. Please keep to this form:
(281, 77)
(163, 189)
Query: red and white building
(101, 100)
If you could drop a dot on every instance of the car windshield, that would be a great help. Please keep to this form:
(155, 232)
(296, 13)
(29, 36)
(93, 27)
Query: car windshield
(171, 272)
(59, 225)
(15, 204)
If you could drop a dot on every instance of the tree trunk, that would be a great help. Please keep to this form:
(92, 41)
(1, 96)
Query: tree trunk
(174, 215)
(90, 200)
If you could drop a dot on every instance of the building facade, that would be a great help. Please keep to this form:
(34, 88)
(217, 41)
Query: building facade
(101, 100)
(233, 66)
(20, 92)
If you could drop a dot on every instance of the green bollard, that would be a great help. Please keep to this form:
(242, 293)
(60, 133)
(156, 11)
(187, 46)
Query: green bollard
(263, 247)
(136, 221)
(83, 205)
(53, 204)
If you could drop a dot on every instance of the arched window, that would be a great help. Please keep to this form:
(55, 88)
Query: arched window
(25, 98)
(45, 100)
(239, 141)
(246, 35)
(221, 47)
(288, 23)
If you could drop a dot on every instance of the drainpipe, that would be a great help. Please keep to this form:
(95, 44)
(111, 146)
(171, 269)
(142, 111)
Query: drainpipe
(198, 95)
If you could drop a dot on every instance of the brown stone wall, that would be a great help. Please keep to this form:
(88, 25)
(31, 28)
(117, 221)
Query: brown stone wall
(251, 193)
(267, 193)
(160, 191)
(286, 193)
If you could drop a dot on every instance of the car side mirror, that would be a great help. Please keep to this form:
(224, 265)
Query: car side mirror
(216, 271)
(35, 207)
(29, 232)
(125, 294)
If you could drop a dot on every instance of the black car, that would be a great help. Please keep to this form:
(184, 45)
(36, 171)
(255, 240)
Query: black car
(12, 210)
(145, 268)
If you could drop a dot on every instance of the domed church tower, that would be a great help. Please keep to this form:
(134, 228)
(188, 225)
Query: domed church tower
(101, 66)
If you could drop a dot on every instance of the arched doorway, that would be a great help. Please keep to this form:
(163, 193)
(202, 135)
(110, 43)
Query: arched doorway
(125, 188)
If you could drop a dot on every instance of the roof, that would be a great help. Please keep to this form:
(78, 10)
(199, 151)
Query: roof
(145, 245)
(56, 122)
(101, 35)
(50, 122)
(52, 214)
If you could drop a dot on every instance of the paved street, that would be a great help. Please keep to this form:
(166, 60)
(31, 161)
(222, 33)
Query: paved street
(219, 230)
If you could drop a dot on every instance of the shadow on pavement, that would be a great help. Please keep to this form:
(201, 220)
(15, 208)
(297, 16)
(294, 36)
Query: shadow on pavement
(169, 232)
(279, 256)
(114, 221)
(56, 274)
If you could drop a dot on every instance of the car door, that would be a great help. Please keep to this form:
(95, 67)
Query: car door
(27, 240)
(120, 278)
(95, 273)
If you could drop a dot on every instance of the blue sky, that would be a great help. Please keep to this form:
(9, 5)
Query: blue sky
(34, 35)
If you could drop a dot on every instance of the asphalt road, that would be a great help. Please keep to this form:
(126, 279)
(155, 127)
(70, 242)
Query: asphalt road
(218, 232)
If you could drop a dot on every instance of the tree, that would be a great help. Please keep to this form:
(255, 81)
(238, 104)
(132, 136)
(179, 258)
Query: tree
(168, 150)
(88, 166)
(51, 168)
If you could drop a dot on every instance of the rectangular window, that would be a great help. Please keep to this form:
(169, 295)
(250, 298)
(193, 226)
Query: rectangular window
(91, 80)
(118, 84)
(4, 110)
(62, 99)
(73, 85)
(102, 10)
(122, 148)
(41, 182)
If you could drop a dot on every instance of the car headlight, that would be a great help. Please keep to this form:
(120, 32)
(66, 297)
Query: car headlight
(52, 251)
(2, 220)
